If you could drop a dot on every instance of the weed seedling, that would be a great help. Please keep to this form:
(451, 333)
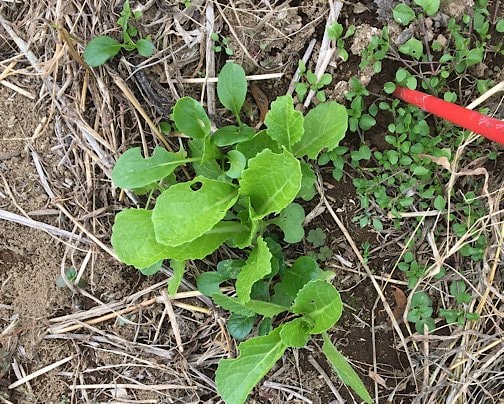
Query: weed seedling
(421, 311)
(102, 48)
(221, 43)
(458, 315)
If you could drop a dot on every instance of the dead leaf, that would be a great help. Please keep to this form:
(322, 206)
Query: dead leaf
(261, 100)
(400, 303)
(378, 379)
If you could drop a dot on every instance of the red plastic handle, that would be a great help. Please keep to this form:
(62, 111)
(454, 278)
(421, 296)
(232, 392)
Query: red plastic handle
(486, 126)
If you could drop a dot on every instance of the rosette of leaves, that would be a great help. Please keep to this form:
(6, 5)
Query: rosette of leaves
(245, 186)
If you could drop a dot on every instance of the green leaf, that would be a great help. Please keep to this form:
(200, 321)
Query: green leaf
(258, 265)
(134, 240)
(296, 333)
(321, 303)
(412, 47)
(499, 27)
(250, 308)
(290, 220)
(133, 171)
(190, 118)
(187, 210)
(389, 87)
(101, 49)
(178, 268)
(232, 87)
(272, 181)
(231, 134)
(237, 163)
(145, 47)
(324, 127)
(316, 237)
(284, 123)
(403, 14)
(308, 181)
(251, 225)
(344, 370)
(240, 326)
(304, 270)
(439, 202)
(257, 144)
(235, 378)
(208, 283)
(430, 7)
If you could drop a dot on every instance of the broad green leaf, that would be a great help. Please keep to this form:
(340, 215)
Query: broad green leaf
(133, 239)
(304, 270)
(190, 118)
(308, 190)
(133, 171)
(206, 244)
(101, 49)
(257, 144)
(430, 7)
(324, 127)
(178, 268)
(258, 265)
(290, 220)
(239, 326)
(439, 202)
(208, 283)
(250, 308)
(145, 47)
(344, 369)
(272, 181)
(320, 302)
(229, 135)
(235, 378)
(232, 87)
(296, 333)
(265, 309)
(237, 163)
(187, 210)
(403, 14)
(412, 47)
(230, 268)
(284, 123)
(231, 304)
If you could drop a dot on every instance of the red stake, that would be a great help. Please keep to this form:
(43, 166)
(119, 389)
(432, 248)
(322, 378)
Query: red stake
(486, 126)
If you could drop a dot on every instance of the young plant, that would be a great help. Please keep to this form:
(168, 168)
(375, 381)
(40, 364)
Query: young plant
(335, 33)
(312, 83)
(221, 42)
(244, 190)
(102, 48)
(458, 315)
(421, 311)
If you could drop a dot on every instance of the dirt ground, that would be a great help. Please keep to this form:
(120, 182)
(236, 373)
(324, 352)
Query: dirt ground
(115, 360)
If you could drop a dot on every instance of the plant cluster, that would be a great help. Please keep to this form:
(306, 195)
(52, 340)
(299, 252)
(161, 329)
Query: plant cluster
(243, 192)
(407, 174)
(102, 48)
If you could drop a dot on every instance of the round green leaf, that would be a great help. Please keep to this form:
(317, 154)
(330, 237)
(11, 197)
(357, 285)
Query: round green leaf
(101, 49)
(145, 47)
(403, 14)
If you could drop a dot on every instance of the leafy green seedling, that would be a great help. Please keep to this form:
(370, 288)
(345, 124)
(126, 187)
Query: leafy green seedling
(403, 14)
(221, 43)
(335, 33)
(430, 7)
(459, 315)
(102, 48)
(421, 311)
(316, 237)
(312, 83)
(71, 276)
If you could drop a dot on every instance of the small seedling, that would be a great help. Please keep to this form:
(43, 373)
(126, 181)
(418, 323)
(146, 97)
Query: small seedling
(71, 276)
(335, 33)
(421, 311)
(458, 315)
(312, 83)
(103, 48)
(221, 43)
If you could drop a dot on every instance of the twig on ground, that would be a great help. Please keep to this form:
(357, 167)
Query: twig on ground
(40, 372)
(326, 378)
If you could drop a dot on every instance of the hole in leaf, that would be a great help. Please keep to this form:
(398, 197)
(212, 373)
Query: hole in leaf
(196, 186)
